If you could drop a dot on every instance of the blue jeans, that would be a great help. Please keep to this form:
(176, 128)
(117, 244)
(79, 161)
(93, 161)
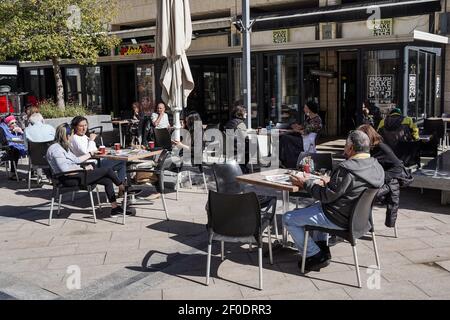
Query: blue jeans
(118, 166)
(296, 220)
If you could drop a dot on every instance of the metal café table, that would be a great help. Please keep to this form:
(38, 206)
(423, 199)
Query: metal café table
(258, 179)
(128, 155)
(120, 123)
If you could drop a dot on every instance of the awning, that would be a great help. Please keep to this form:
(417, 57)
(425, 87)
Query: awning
(348, 12)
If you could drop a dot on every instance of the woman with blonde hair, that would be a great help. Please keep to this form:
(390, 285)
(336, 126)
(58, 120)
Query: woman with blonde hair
(61, 160)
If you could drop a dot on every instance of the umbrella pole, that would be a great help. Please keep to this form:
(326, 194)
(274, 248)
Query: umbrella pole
(246, 59)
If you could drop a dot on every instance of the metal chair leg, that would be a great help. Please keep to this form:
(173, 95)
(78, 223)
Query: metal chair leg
(270, 245)
(163, 199)
(125, 197)
(73, 196)
(93, 205)
(358, 275)
(204, 182)
(15, 171)
(275, 224)
(208, 264)
(59, 205)
(29, 179)
(190, 179)
(222, 250)
(377, 258)
(395, 232)
(98, 199)
(260, 267)
(51, 211)
(177, 184)
(305, 246)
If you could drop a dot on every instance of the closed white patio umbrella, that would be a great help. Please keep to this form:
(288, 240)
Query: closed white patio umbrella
(173, 38)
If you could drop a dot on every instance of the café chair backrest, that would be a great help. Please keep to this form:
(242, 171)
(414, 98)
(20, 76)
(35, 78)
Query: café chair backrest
(225, 176)
(163, 139)
(37, 152)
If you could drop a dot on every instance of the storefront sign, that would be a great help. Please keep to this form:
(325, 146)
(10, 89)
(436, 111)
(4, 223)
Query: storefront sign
(438, 87)
(412, 87)
(72, 72)
(138, 49)
(382, 27)
(148, 72)
(380, 88)
(280, 36)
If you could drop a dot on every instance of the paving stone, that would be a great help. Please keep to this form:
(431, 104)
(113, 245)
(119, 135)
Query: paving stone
(388, 245)
(444, 264)
(412, 272)
(82, 237)
(203, 292)
(437, 241)
(28, 265)
(82, 260)
(43, 252)
(427, 255)
(331, 294)
(388, 291)
(149, 295)
(434, 287)
(386, 259)
(102, 246)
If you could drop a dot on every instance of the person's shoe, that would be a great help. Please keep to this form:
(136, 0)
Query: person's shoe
(119, 211)
(316, 262)
(153, 196)
(325, 249)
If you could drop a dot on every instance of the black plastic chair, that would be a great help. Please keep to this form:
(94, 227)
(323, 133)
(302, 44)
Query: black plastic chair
(162, 164)
(360, 224)
(36, 153)
(435, 128)
(163, 139)
(236, 218)
(5, 154)
(59, 189)
(225, 177)
(99, 132)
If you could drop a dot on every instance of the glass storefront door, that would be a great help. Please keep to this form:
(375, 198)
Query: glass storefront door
(424, 83)
(93, 80)
(145, 83)
(281, 88)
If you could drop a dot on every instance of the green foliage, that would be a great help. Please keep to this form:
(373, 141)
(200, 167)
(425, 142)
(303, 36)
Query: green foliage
(37, 30)
(50, 110)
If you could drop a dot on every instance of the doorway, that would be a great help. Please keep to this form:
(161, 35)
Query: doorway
(126, 82)
(348, 67)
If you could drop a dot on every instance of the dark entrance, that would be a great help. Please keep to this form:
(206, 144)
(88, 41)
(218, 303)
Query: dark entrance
(348, 66)
(127, 86)
(210, 97)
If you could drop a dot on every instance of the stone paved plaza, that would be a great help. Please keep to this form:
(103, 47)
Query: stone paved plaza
(150, 258)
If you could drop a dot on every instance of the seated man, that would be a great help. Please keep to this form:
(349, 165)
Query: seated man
(337, 196)
(38, 131)
(397, 128)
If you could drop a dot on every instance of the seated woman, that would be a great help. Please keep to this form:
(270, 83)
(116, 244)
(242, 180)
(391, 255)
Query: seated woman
(80, 145)
(395, 173)
(61, 160)
(136, 126)
(311, 127)
(303, 137)
(11, 131)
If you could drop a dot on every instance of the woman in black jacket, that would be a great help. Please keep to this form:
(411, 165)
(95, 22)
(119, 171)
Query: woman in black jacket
(389, 193)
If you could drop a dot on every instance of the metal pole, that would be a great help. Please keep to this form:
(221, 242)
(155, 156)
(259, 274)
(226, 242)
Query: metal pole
(246, 61)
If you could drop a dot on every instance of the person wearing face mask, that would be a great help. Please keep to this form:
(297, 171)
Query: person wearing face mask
(337, 195)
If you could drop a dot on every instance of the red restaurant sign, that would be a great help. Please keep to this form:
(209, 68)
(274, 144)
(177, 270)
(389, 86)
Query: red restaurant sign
(133, 50)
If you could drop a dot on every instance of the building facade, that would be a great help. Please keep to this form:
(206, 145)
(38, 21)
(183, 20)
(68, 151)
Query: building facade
(338, 53)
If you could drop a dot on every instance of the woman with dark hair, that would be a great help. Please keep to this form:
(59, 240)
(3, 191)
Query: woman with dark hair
(237, 121)
(303, 138)
(61, 160)
(311, 127)
(136, 124)
(395, 173)
(80, 144)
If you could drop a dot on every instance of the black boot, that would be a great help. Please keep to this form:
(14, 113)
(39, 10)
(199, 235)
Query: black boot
(324, 248)
(316, 262)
